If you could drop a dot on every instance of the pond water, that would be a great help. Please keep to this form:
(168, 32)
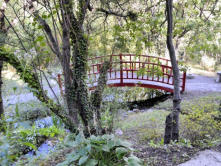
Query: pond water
(44, 122)
(44, 149)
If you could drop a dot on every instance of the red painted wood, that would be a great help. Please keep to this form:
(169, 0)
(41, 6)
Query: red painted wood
(128, 65)
(121, 69)
(184, 81)
(60, 84)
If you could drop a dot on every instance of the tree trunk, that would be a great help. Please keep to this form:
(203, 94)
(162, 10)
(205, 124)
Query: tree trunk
(172, 120)
(96, 96)
(1, 100)
(2, 42)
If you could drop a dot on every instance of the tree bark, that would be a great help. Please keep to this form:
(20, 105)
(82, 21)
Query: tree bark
(172, 120)
(1, 100)
(96, 96)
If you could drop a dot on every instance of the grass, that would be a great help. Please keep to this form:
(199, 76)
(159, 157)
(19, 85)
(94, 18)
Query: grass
(189, 101)
(199, 69)
(149, 125)
(27, 110)
(144, 126)
(139, 120)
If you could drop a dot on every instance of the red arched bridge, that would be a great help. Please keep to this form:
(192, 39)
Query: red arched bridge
(134, 70)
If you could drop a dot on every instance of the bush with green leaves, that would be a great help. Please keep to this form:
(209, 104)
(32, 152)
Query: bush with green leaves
(138, 93)
(31, 138)
(201, 125)
(106, 150)
(20, 140)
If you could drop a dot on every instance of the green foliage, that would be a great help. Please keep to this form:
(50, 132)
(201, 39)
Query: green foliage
(106, 150)
(144, 126)
(21, 137)
(6, 159)
(201, 125)
(183, 67)
(21, 141)
(3, 124)
(28, 137)
(112, 103)
(108, 115)
(138, 93)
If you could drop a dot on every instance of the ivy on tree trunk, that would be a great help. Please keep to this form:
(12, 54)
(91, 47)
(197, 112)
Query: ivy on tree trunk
(1, 100)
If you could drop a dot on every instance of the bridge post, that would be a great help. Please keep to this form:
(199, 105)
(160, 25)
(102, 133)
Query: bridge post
(121, 69)
(60, 84)
(184, 82)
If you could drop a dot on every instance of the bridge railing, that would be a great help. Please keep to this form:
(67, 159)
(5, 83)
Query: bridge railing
(132, 70)
(126, 67)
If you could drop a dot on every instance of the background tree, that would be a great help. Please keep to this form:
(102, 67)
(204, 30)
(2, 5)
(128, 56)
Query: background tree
(3, 32)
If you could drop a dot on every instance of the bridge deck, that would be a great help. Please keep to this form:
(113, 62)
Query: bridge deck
(131, 81)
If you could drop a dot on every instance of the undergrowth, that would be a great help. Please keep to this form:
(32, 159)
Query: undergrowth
(200, 123)
(106, 150)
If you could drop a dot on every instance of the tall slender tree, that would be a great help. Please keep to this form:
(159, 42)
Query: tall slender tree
(172, 120)
(3, 32)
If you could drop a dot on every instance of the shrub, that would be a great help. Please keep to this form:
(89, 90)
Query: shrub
(106, 150)
(200, 125)
(31, 138)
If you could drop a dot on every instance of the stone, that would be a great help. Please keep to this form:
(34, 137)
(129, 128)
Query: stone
(219, 76)
(136, 110)
(190, 76)
(205, 158)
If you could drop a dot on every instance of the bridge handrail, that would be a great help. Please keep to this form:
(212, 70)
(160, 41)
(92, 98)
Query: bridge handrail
(147, 56)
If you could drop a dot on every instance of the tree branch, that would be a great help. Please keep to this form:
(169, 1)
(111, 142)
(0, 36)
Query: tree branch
(46, 28)
(130, 14)
(26, 73)
(83, 4)
(48, 31)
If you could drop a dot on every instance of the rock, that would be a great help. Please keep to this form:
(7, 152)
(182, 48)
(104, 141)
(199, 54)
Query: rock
(205, 158)
(219, 76)
(190, 76)
(125, 115)
(34, 114)
(136, 110)
(45, 122)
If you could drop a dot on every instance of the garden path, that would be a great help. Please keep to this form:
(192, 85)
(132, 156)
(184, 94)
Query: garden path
(198, 84)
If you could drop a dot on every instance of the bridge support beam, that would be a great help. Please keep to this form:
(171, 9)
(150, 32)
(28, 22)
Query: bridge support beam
(121, 69)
